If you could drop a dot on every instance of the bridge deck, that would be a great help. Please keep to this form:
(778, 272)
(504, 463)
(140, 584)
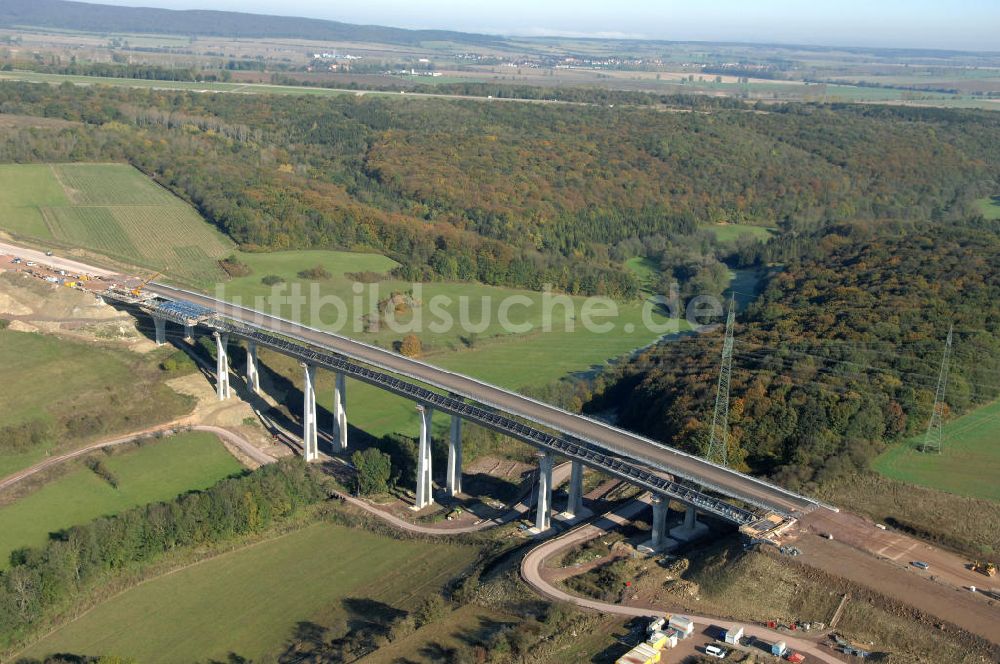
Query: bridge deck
(597, 433)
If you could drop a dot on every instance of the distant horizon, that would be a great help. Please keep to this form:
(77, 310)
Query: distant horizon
(915, 25)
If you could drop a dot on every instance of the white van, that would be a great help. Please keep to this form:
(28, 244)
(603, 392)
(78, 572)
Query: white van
(715, 651)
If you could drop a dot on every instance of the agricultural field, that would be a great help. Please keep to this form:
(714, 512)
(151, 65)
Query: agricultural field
(156, 471)
(249, 601)
(990, 207)
(26, 188)
(49, 380)
(114, 211)
(514, 360)
(194, 86)
(969, 463)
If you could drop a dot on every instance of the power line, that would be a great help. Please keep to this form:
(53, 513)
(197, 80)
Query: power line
(861, 368)
(933, 439)
(718, 441)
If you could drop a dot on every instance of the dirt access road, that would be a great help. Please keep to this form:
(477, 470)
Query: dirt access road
(559, 474)
(244, 446)
(533, 565)
(57, 262)
(880, 560)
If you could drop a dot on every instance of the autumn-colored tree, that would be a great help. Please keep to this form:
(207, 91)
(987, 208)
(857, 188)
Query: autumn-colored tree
(410, 346)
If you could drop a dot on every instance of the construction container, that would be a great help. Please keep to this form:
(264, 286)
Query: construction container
(733, 635)
(649, 651)
(641, 654)
(657, 640)
(683, 625)
(656, 625)
(778, 649)
(661, 640)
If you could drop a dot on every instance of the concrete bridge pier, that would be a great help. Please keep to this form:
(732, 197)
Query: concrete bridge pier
(221, 365)
(188, 332)
(658, 536)
(340, 410)
(253, 372)
(425, 493)
(160, 325)
(543, 513)
(455, 457)
(310, 440)
(691, 529)
(574, 502)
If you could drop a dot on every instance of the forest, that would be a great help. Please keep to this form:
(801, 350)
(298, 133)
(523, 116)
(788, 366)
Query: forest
(514, 194)
(839, 355)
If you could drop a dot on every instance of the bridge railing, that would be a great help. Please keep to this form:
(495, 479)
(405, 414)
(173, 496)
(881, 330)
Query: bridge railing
(584, 452)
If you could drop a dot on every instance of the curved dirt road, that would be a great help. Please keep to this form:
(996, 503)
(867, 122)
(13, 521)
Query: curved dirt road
(559, 475)
(532, 564)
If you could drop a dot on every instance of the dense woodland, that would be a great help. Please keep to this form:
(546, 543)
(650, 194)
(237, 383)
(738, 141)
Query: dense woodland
(838, 356)
(515, 194)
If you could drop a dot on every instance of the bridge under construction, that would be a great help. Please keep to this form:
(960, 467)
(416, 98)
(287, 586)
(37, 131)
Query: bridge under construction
(757, 506)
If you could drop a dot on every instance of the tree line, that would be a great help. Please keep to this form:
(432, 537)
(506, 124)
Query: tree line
(42, 580)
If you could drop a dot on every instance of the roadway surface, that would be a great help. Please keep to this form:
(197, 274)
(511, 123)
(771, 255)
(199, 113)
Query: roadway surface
(58, 262)
(576, 426)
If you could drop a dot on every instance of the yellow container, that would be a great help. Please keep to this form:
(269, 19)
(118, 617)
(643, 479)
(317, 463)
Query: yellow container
(657, 640)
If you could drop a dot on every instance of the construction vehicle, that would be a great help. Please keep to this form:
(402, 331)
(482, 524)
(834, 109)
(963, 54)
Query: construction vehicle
(988, 567)
(137, 291)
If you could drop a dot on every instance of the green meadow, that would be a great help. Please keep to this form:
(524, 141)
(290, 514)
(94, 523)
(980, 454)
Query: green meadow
(517, 359)
(969, 463)
(989, 207)
(44, 376)
(249, 601)
(156, 471)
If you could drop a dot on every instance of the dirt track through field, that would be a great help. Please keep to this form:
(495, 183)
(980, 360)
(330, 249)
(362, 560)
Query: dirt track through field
(177, 427)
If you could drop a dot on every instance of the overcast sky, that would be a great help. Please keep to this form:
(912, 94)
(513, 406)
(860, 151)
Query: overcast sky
(949, 24)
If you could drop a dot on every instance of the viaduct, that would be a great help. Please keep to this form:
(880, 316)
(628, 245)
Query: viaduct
(752, 504)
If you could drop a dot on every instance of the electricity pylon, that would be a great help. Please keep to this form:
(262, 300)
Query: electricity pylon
(718, 439)
(934, 436)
